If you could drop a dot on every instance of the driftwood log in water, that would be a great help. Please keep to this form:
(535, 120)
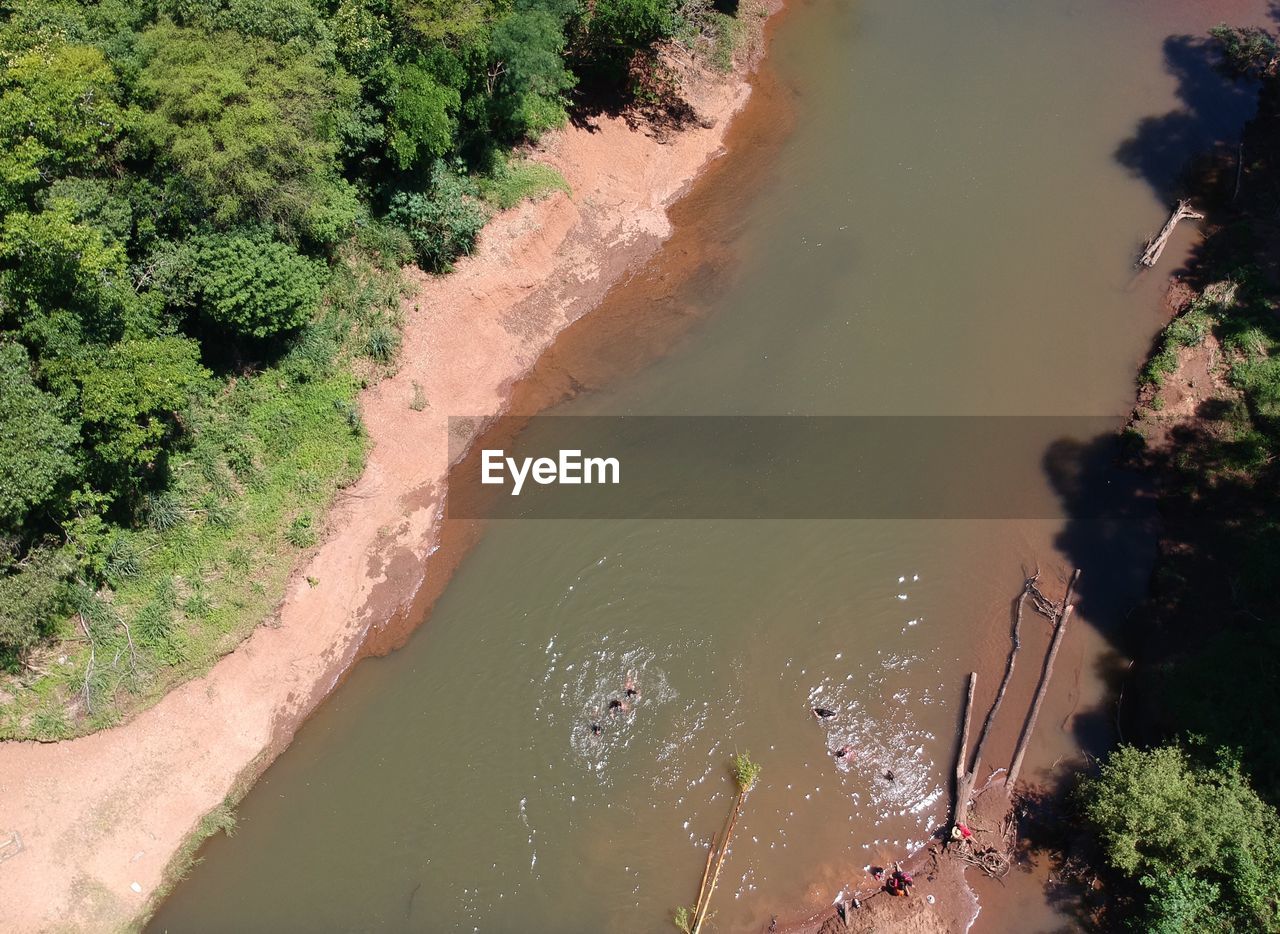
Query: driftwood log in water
(964, 777)
(1151, 255)
(967, 775)
(1059, 630)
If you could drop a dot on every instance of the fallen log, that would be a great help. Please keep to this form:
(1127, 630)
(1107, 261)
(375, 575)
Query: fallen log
(1059, 630)
(1016, 640)
(966, 774)
(745, 774)
(1151, 255)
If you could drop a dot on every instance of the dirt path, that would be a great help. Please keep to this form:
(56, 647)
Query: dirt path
(91, 824)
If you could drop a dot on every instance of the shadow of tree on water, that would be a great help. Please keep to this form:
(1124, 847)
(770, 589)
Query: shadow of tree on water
(1169, 151)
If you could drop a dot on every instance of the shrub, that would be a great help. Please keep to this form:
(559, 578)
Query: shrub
(31, 597)
(381, 342)
(443, 224)
(1194, 837)
(254, 286)
(615, 30)
(301, 533)
(726, 34)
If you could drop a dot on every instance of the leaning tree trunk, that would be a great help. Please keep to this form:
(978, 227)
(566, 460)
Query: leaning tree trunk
(967, 775)
(1060, 630)
(1151, 255)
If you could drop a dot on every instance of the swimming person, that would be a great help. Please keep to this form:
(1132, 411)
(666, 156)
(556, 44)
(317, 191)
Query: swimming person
(822, 713)
(843, 751)
(630, 688)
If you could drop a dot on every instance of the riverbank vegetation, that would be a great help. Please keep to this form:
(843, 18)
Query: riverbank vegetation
(203, 212)
(1185, 820)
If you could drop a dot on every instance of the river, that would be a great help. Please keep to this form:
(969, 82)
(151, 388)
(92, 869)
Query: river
(930, 208)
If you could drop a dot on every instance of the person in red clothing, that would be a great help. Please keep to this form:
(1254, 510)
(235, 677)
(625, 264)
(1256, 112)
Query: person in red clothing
(900, 882)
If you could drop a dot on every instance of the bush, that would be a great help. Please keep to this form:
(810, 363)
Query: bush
(616, 29)
(253, 286)
(32, 595)
(1197, 839)
(443, 224)
(381, 342)
(301, 532)
(36, 446)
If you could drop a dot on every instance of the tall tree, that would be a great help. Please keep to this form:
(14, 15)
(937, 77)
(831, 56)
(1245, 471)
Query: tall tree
(252, 129)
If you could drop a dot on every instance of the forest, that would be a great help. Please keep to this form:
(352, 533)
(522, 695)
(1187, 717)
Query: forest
(203, 210)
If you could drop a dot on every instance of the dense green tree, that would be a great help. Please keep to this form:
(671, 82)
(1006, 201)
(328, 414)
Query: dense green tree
(130, 395)
(1199, 839)
(1249, 50)
(95, 201)
(527, 76)
(37, 448)
(614, 30)
(282, 21)
(252, 128)
(362, 36)
(451, 22)
(65, 280)
(58, 113)
(33, 592)
(252, 286)
(422, 116)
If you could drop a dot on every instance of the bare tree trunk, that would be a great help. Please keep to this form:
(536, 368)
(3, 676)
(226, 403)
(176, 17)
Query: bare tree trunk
(1059, 630)
(1016, 638)
(964, 777)
(702, 886)
(967, 775)
(704, 900)
(1239, 171)
(1151, 255)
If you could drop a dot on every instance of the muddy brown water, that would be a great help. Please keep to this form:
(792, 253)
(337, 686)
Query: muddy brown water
(930, 208)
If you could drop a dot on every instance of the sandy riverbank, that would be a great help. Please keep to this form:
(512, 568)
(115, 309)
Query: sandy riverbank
(94, 823)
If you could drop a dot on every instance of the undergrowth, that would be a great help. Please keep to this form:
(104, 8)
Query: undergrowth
(511, 182)
(211, 560)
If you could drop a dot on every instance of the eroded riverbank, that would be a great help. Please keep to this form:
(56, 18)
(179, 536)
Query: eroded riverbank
(99, 819)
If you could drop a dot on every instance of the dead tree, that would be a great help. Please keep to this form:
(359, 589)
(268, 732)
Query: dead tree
(1059, 630)
(967, 775)
(1151, 255)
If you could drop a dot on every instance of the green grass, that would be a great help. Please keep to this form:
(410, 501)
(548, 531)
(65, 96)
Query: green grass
(1189, 329)
(266, 455)
(513, 182)
(726, 34)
